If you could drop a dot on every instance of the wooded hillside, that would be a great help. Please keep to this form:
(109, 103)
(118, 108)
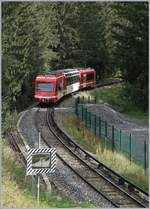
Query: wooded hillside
(38, 37)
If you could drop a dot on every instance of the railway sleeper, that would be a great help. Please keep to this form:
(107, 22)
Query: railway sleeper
(81, 170)
(110, 192)
(86, 157)
(121, 181)
(71, 144)
(124, 201)
(130, 188)
(132, 205)
(105, 187)
(126, 204)
(75, 148)
(93, 178)
(115, 197)
(77, 167)
(112, 196)
(99, 166)
(102, 187)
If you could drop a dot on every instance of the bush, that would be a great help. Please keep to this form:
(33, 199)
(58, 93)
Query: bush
(136, 96)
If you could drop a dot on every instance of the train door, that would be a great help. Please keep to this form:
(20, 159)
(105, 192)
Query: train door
(60, 88)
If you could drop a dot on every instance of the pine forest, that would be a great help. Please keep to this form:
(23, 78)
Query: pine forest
(38, 37)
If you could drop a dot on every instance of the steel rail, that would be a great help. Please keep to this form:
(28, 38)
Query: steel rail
(97, 86)
(55, 131)
(121, 180)
(13, 138)
(60, 157)
(67, 164)
(14, 145)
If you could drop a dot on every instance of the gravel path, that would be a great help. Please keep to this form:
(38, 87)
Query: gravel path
(121, 121)
(64, 178)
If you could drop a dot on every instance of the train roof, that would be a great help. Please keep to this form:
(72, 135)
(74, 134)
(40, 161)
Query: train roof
(48, 76)
(67, 72)
(64, 71)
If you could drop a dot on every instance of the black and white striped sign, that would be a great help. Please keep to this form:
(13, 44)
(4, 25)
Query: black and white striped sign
(41, 160)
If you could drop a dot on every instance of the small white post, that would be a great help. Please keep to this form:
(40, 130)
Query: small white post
(39, 139)
(33, 191)
(38, 190)
(38, 176)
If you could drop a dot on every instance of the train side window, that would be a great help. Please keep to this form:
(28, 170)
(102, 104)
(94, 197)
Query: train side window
(69, 81)
(72, 80)
(90, 77)
(77, 79)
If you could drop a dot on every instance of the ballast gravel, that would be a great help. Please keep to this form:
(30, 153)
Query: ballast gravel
(64, 178)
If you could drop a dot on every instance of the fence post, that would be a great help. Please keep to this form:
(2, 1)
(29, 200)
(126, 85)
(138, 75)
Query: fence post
(95, 99)
(82, 111)
(85, 117)
(90, 119)
(145, 159)
(95, 124)
(120, 139)
(77, 101)
(99, 126)
(113, 138)
(105, 128)
(130, 148)
(83, 100)
(84, 114)
(88, 99)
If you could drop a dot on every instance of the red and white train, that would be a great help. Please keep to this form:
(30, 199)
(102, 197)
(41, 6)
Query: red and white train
(51, 87)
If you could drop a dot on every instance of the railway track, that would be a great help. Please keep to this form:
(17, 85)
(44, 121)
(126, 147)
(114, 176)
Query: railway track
(96, 177)
(14, 142)
(62, 153)
(112, 187)
(14, 139)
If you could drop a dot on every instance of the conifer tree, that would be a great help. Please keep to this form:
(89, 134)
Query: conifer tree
(131, 54)
(66, 16)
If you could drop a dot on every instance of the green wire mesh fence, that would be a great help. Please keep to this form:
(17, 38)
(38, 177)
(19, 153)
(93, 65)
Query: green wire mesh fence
(121, 141)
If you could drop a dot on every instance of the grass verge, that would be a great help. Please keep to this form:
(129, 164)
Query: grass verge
(116, 161)
(17, 187)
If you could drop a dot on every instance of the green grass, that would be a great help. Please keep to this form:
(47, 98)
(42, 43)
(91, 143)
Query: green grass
(111, 79)
(17, 187)
(113, 96)
(116, 161)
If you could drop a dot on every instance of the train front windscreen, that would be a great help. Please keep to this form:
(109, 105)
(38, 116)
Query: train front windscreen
(45, 87)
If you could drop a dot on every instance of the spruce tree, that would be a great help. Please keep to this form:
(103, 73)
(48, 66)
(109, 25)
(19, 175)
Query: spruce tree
(131, 54)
